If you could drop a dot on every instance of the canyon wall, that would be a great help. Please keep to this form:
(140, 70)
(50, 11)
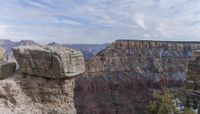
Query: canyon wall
(120, 79)
(192, 88)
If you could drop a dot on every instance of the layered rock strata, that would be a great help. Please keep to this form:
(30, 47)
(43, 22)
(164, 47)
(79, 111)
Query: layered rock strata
(49, 61)
(154, 60)
(193, 81)
(120, 79)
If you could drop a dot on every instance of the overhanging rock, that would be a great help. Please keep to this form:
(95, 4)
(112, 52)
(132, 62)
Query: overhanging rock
(49, 61)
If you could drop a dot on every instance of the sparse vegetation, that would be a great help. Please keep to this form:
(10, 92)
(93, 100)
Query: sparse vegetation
(163, 104)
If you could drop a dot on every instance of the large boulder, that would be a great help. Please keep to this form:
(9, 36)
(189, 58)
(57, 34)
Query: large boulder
(49, 61)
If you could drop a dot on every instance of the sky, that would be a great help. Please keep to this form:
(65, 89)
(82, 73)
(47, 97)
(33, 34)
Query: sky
(99, 21)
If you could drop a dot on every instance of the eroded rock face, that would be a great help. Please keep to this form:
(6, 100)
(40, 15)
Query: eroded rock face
(2, 54)
(22, 94)
(49, 61)
(6, 68)
(192, 81)
(120, 79)
(152, 59)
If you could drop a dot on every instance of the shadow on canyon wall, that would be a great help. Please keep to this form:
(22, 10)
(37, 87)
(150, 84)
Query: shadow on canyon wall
(114, 93)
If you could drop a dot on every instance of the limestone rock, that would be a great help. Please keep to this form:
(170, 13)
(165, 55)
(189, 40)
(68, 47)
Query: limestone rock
(192, 81)
(7, 69)
(2, 54)
(49, 61)
(21, 94)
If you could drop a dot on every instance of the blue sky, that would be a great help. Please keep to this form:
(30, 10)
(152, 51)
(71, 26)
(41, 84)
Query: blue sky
(99, 21)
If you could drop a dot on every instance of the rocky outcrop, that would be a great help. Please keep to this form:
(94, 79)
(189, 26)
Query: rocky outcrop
(2, 54)
(192, 82)
(30, 92)
(6, 68)
(50, 62)
(25, 94)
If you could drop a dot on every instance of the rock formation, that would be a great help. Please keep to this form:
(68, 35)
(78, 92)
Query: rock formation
(193, 81)
(50, 62)
(2, 54)
(37, 90)
(6, 68)
(118, 80)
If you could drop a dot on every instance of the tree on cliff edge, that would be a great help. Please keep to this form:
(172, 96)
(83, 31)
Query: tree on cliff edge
(163, 104)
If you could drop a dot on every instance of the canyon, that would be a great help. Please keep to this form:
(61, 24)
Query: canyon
(117, 80)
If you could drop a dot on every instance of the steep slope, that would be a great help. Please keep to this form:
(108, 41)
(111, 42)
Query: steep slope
(120, 79)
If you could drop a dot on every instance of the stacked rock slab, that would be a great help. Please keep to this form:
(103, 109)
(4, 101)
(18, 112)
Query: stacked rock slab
(49, 61)
(6, 69)
(193, 80)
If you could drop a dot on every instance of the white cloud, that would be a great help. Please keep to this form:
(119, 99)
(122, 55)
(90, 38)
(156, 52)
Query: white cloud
(100, 20)
(139, 20)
